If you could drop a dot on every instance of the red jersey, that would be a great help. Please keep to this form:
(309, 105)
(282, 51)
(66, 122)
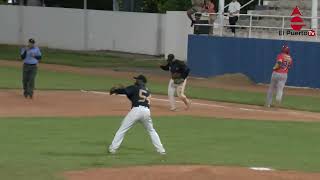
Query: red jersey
(285, 62)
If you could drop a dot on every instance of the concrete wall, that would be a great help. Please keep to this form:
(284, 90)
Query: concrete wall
(211, 56)
(176, 36)
(54, 27)
(125, 31)
(9, 25)
(67, 29)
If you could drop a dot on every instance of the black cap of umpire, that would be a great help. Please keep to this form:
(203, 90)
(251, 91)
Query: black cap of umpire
(32, 41)
(170, 57)
(142, 78)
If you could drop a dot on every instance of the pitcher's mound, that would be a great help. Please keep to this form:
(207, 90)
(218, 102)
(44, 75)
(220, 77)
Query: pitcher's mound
(187, 173)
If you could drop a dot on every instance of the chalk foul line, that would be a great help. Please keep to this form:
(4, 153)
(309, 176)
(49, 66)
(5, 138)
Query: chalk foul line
(210, 105)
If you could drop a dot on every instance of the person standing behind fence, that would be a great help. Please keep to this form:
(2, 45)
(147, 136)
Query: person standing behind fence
(197, 6)
(234, 10)
(209, 8)
(279, 76)
(31, 55)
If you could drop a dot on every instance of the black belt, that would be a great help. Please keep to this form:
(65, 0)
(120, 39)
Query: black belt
(141, 106)
(30, 64)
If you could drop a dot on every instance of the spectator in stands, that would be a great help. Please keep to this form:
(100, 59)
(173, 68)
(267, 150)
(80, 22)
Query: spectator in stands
(209, 8)
(197, 7)
(234, 10)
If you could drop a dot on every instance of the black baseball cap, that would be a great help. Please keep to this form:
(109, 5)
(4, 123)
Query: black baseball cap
(170, 57)
(141, 77)
(32, 41)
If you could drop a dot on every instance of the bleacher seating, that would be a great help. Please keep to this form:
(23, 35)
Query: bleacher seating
(276, 7)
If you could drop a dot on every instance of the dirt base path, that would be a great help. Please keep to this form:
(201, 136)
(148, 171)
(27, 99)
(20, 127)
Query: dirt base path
(86, 104)
(229, 82)
(188, 173)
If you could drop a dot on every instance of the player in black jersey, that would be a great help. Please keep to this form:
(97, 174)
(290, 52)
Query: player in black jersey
(139, 95)
(179, 74)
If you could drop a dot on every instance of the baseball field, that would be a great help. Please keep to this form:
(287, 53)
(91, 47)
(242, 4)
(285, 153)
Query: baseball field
(63, 133)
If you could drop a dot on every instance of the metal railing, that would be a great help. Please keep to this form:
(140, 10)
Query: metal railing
(248, 3)
(250, 27)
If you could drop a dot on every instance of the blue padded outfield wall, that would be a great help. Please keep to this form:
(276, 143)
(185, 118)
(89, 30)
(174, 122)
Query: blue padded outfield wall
(210, 56)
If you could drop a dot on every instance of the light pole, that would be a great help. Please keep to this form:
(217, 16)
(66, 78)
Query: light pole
(85, 23)
(115, 5)
(85, 4)
(21, 21)
(221, 14)
(314, 14)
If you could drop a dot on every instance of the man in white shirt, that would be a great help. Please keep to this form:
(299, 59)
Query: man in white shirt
(234, 10)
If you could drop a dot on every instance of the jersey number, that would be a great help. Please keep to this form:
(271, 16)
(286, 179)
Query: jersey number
(286, 63)
(143, 97)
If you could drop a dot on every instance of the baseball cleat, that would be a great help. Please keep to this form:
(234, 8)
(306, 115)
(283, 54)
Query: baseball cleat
(188, 105)
(111, 151)
(173, 109)
(163, 153)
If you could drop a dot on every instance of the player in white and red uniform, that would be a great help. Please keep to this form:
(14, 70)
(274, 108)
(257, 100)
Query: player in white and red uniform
(279, 76)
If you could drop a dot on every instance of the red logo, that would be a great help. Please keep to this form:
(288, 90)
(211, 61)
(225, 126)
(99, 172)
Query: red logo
(296, 21)
(312, 33)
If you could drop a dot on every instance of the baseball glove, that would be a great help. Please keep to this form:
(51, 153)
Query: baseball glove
(113, 89)
(178, 80)
(176, 75)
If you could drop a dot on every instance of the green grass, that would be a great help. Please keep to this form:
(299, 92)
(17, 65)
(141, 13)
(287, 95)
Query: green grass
(83, 59)
(306, 103)
(57, 80)
(42, 148)
(11, 78)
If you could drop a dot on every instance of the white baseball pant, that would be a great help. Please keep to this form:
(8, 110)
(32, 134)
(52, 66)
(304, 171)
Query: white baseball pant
(137, 114)
(179, 89)
(278, 82)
